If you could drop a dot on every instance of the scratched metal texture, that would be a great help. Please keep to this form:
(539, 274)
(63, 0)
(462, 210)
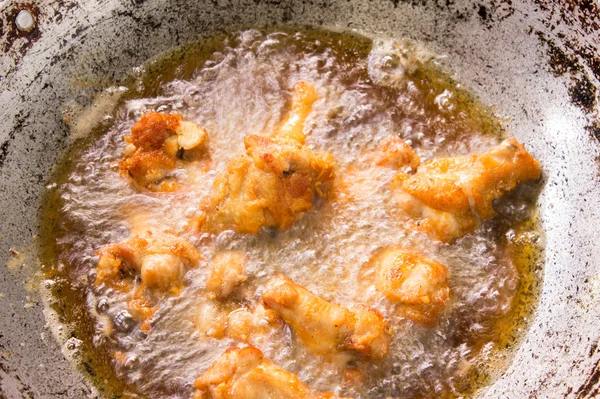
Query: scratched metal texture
(536, 60)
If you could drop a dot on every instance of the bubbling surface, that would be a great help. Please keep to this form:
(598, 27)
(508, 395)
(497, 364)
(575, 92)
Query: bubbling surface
(369, 89)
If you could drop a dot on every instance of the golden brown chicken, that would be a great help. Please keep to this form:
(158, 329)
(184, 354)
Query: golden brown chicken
(245, 325)
(157, 143)
(227, 272)
(395, 153)
(246, 374)
(325, 327)
(160, 260)
(219, 320)
(275, 182)
(211, 318)
(303, 97)
(418, 284)
(449, 197)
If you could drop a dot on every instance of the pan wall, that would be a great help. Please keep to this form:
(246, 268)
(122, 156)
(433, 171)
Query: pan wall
(534, 60)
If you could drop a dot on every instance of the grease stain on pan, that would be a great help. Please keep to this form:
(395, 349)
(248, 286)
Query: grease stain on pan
(579, 57)
(591, 387)
(488, 12)
(65, 335)
(581, 62)
(17, 259)
(582, 90)
(24, 260)
(495, 12)
(83, 120)
(18, 124)
(583, 93)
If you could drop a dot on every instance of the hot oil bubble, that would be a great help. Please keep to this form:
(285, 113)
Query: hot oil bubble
(243, 88)
(103, 305)
(124, 322)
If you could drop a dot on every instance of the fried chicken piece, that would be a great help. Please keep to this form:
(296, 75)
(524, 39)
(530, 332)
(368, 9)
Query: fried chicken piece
(219, 320)
(449, 197)
(395, 153)
(246, 374)
(275, 182)
(142, 309)
(409, 278)
(156, 144)
(227, 272)
(211, 319)
(273, 185)
(303, 97)
(243, 324)
(161, 260)
(325, 327)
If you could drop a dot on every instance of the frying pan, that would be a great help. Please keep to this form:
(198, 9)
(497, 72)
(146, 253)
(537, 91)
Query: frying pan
(536, 60)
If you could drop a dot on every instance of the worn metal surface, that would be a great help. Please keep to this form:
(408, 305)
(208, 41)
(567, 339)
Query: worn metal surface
(536, 60)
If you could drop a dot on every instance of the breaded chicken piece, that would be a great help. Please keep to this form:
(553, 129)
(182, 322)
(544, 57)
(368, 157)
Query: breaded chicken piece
(325, 327)
(226, 273)
(273, 185)
(415, 282)
(218, 320)
(275, 182)
(303, 97)
(395, 153)
(246, 374)
(211, 319)
(157, 143)
(244, 325)
(449, 197)
(161, 261)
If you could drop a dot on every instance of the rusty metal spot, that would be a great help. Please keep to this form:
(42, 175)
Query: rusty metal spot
(581, 67)
(590, 388)
(594, 130)
(483, 12)
(560, 62)
(14, 34)
(4, 147)
(495, 12)
(583, 93)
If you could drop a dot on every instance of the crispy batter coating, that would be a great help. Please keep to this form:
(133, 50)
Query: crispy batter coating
(415, 282)
(142, 309)
(246, 374)
(448, 197)
(275, 182)
(273, 185)
(156, 144)
(244, 325)
(303, 97)
(161, 261)
(226, 273)
(325, 327)
(395, 153)
(211, 319)
(153, 128)
(219, 320)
